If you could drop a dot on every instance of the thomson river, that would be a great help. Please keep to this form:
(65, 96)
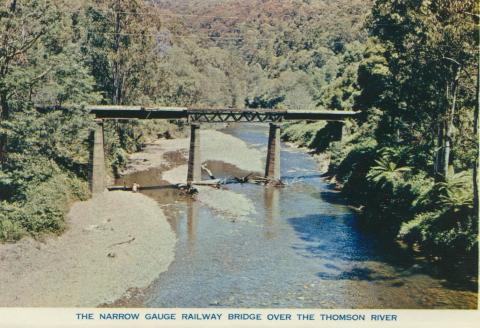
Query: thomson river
(299, 246)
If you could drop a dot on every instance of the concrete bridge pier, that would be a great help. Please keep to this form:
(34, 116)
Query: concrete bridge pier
(96, 169)
(272, 169)
(194, 160)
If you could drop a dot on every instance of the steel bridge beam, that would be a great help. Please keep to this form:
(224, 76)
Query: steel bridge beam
(219, 115)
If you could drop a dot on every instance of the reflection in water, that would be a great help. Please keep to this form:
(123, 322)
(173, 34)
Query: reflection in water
(192, 217)
(271, 198)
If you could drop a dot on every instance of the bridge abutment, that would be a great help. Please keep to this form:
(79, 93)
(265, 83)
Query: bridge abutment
(96, 170)
(272, 168)
(194, 160)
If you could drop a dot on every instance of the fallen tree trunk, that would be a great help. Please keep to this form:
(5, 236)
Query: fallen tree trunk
(210, 174)
(215, 182)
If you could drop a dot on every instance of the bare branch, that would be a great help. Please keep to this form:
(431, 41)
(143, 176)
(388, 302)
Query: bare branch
(41, 75)
(460, 66)
(477, 16)
(452, 60)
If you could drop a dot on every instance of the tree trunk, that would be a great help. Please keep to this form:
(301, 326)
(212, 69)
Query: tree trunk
(475, 132)
(4, 114)
(448, 138)
(116, 65)
(439, 152)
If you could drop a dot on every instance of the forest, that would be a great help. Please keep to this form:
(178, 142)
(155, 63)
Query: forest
(410, 67)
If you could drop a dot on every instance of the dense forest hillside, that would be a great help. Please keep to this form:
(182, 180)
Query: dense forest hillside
(409, 66)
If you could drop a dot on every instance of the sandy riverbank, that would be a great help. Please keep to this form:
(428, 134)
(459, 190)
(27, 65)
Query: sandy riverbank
(215, 146)
(115, 241)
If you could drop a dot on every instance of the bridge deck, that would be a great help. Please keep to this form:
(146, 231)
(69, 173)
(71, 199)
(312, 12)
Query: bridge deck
(216, 114)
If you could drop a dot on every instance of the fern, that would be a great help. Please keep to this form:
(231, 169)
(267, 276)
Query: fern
(386, 171)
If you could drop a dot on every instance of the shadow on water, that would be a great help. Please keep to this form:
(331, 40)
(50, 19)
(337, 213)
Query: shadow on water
(350, 241)
(287, 178)
(364, 274)
(330, 196)
(340, 239)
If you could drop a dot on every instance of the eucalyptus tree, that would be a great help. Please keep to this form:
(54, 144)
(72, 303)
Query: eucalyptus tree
(430, 49)
(23, 25)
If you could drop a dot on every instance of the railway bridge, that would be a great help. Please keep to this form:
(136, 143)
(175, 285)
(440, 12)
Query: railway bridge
(196, 116)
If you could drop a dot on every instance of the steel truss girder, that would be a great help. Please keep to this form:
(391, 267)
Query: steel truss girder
(234, 116)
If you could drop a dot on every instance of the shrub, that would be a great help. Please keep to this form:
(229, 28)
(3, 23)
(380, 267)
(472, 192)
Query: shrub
(447, 225)
(353, 169)
(43, 209)
(301, 133)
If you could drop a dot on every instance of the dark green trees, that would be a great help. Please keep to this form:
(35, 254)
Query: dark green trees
(417, 82)
(42, 152)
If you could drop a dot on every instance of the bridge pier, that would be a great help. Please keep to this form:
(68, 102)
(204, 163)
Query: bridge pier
(339, 130)
(194, 160)
(272, 168)
(96, 169)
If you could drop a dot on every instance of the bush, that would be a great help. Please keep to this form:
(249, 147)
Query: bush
(301, 133)
(43, 209)
(353, 169)
(444, 233)
(413, 231)
(10, 222)
(446, 225)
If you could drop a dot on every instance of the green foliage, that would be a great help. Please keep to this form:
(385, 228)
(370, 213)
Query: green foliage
(409, 156)
(353, 169)
(302, 134)
(446, 233)
(43, 154)
(10, 229)
(456, 193)
(43, 208)
(385, 171)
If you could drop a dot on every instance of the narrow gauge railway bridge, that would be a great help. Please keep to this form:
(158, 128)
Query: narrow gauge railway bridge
(196, 116)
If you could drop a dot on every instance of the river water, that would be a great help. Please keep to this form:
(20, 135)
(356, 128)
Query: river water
(302, 248)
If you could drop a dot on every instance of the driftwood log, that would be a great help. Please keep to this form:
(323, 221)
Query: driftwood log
(215, 182)
(210, 174)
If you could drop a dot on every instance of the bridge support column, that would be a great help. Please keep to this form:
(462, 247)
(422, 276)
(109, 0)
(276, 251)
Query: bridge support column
(341, 130)
(96, 170)
(194, 161)
(272, 169)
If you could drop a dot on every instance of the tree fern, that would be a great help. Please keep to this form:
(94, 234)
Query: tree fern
(386, 171)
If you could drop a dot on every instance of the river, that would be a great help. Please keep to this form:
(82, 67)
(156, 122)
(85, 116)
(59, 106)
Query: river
(302, 248)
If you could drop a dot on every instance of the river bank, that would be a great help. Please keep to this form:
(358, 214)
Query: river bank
(106, 249)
